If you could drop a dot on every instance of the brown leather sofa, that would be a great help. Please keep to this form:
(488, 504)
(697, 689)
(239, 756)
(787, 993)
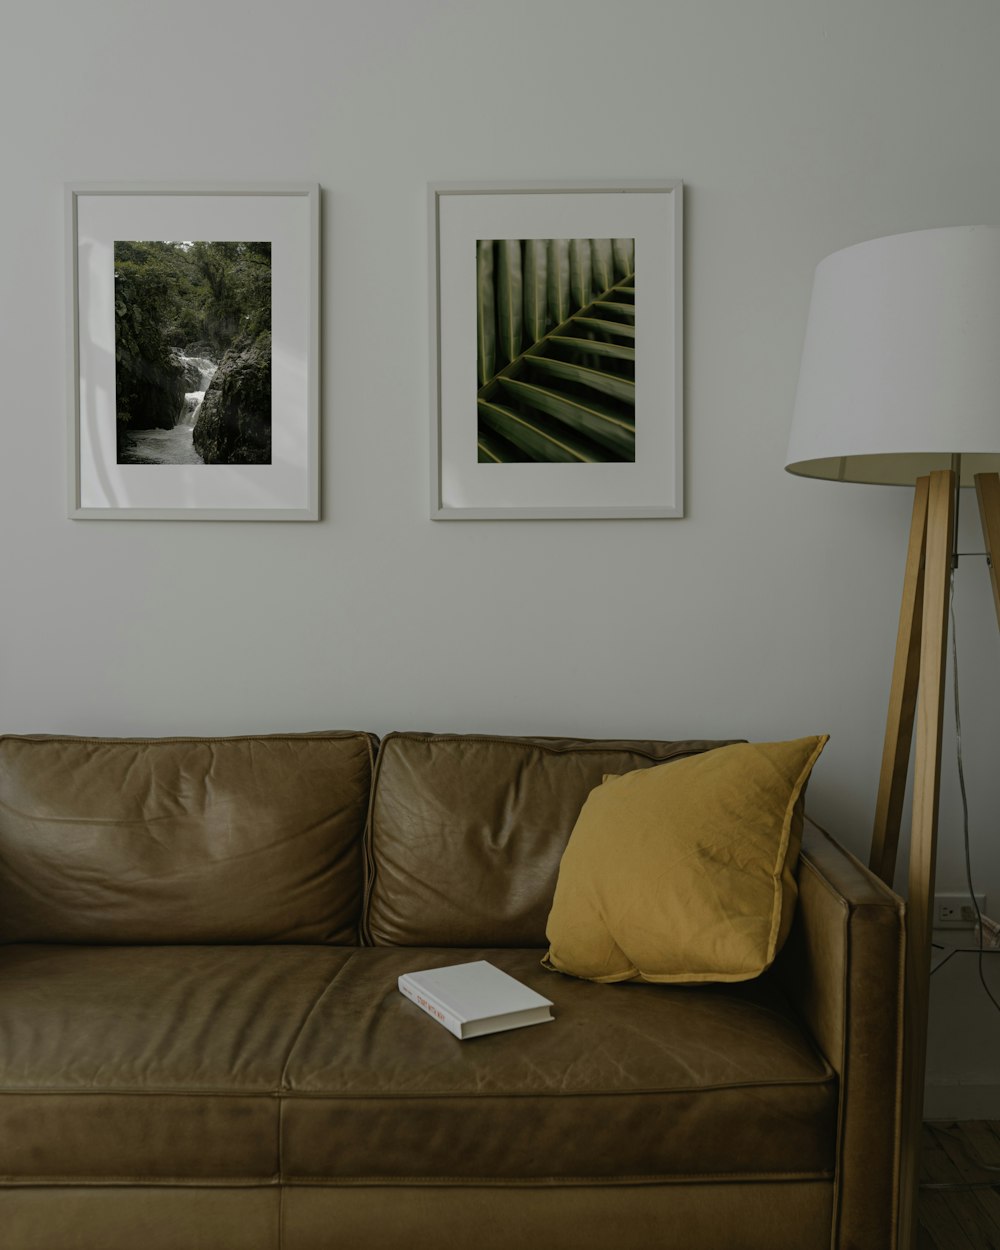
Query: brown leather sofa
(202, 1046)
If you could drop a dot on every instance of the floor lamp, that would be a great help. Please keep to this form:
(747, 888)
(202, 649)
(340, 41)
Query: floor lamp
(900, 385)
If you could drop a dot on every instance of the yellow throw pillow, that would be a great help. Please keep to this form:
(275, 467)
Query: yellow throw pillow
(684, 871)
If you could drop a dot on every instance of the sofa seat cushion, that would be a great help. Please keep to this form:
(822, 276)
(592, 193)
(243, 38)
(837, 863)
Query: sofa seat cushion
(629, 1082)
(252, 1064)
(160, 1063)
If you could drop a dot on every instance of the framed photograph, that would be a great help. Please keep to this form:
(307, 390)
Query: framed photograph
(556, 358)
(194, 351)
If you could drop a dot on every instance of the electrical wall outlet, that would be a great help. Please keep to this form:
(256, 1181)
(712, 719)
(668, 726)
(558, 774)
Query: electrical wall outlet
(955, 911)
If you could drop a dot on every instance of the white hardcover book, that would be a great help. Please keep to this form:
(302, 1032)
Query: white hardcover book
(474, 998)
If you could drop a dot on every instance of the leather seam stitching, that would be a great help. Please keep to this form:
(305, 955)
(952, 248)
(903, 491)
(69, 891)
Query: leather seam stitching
(631, 1178)
(598, 746)
(36, 1179)
(670, 1091)
(366, 1095)
(341, 735)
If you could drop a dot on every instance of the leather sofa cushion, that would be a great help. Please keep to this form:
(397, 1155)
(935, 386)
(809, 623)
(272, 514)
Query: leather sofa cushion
(158, 1062)
(466, 832)
(242, 1064)
(629, 1081)
(183, 839)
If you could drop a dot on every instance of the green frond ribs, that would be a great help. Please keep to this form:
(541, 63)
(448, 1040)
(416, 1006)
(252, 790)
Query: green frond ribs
(485, 304)
(593, 347)
(607, 327)
(605, 383)
(530, 436)
(588, 419)
(556, 334)
(489, 450)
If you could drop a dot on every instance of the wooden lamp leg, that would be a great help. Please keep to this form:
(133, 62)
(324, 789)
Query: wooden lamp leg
(923, 837)
(902, 698)
(918, 678)
(988, 494)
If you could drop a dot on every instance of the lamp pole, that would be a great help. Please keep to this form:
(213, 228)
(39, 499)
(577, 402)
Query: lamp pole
(917, 689)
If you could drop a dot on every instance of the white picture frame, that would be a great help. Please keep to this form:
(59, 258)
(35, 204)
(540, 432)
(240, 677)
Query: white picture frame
(100, 215)
(491, 439)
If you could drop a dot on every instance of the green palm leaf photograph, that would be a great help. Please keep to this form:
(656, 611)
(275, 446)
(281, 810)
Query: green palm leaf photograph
(547, 354)
(556, 350)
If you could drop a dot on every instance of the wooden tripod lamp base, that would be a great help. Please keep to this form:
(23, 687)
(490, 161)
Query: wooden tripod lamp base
(918, 679)
(900, 375)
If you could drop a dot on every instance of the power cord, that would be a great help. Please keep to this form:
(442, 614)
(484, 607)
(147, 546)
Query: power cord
(982, 951)
(972, 1157)
(965, 799)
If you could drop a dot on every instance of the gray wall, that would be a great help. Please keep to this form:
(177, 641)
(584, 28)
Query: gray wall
(770, 611)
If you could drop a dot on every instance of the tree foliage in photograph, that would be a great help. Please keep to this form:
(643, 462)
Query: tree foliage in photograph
(556, 350)
(234, 291)
(149, 383)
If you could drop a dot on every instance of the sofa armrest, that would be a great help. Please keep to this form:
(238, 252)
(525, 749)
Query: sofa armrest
(842, 969)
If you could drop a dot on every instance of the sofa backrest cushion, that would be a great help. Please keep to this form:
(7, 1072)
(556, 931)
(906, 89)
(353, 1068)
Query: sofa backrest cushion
(183, 840)
(466, 832)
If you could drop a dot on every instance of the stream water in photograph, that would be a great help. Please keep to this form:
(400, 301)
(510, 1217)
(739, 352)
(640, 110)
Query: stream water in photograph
(175, 446)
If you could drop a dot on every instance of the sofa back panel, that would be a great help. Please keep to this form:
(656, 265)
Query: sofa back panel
(183, 840)
(466, 832)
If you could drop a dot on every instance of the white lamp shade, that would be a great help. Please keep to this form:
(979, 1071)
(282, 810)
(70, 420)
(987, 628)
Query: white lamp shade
(900, 369)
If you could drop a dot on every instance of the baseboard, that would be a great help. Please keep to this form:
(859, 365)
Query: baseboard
(957, 1101)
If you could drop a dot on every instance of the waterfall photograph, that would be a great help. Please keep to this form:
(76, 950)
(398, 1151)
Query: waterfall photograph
(192, 352)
